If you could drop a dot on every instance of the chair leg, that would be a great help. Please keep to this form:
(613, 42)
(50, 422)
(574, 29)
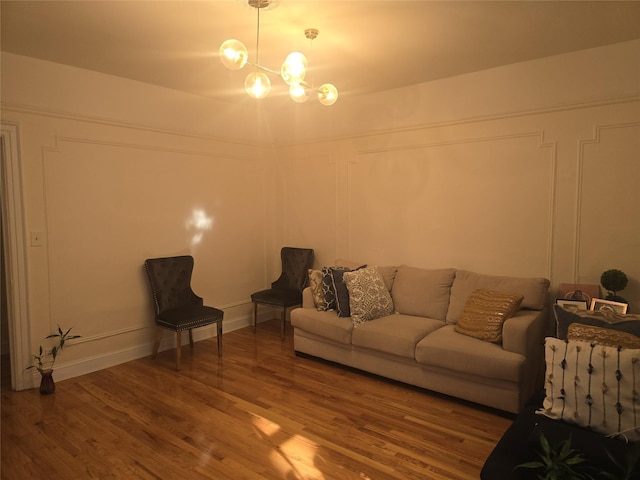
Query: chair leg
(284, 317)
(191, 337)
(255, 316)
(178, 349)
(156, 345)
(219, 333)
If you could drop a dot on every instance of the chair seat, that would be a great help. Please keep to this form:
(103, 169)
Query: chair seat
(186, 318)
(278, 297)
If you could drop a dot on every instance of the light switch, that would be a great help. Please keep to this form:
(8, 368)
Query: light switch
(36, 239)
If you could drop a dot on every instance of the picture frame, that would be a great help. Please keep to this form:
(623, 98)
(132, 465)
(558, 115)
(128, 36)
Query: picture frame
(579, 291)
(599, 304)
(573, 305)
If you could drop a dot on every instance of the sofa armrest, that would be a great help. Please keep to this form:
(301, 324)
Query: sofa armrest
(524, 332)
(307, 298)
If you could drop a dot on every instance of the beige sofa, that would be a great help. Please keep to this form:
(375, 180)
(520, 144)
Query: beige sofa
(418, 344)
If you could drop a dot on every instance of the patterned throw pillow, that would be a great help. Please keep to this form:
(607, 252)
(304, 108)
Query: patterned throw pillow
(342, 294)
(602, 318)
(315, 282)
(602, 336)
(368, 296)
(328, 290)
(485, 312)
(593, 386)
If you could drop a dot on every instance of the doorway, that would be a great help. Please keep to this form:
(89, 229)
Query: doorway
(13, 263)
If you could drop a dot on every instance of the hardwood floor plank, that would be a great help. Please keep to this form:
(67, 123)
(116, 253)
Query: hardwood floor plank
(258, 412)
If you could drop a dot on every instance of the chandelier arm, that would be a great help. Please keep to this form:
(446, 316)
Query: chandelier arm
(263, 68)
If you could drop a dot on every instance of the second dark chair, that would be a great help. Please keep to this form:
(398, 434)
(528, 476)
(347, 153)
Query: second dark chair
(286, 291)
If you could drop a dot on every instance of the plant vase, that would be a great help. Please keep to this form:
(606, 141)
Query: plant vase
(47, 385)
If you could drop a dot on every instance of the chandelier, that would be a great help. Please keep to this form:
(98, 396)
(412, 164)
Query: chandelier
(234, 56)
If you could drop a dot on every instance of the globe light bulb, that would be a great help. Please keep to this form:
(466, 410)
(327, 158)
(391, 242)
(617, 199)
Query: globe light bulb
(298, 93)
(327, 94)
(233, 54)
(257, 85)
(294, 68)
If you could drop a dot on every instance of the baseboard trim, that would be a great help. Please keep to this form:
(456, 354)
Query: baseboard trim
(67, 370)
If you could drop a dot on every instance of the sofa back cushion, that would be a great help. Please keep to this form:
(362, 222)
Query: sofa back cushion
(533, 290)
(388, 275)
(422, 292)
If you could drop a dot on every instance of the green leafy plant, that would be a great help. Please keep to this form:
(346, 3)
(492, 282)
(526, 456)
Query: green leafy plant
(47, 358)
(630, 469)
(559, 462)
(613, 281)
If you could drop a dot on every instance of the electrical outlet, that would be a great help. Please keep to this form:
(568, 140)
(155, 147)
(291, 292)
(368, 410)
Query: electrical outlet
(36, 239)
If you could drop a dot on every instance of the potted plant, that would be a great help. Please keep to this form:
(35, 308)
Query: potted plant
(558, 462)
(613, 281)
(44, 361)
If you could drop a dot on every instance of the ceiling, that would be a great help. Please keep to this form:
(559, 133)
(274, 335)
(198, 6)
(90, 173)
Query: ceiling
(363, 46)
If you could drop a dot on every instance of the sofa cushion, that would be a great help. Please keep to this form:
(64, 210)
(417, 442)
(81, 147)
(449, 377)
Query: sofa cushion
(593, 386)
(324, 324)
(368, 296)
(448, 349)
(600, 318)
(422, 292)
(534, 290)
(485, 313)
(315, 284)
(388, 275)
(395, 334)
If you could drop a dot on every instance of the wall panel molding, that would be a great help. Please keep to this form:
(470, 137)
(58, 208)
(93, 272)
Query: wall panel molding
(104, 121)
(565, 107)
(307, 192)
(78, 148)
(59, 140)
(547, 151)
(599, 131)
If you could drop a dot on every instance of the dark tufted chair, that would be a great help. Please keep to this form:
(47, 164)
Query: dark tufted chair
(178, 308)
(286, 291)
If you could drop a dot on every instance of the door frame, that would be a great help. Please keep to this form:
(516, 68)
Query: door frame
(14, 236)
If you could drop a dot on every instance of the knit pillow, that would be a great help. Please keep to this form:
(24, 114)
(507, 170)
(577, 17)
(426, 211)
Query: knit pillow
(485, 312)
(368, 296)
(602, 336)
(601, 318)
(593, 386)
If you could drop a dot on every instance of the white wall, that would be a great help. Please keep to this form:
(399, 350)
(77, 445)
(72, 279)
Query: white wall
(115, 172)
(529, 169)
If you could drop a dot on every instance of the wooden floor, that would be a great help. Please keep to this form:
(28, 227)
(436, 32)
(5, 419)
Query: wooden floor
(259, 412)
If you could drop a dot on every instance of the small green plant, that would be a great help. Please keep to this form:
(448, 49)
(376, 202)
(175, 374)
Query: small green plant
(46, 358)
(559, 462)
(627, 470)
(613, 281)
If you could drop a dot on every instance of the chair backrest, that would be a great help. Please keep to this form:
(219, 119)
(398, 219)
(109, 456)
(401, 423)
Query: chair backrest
(170, 280)
(296, 263)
